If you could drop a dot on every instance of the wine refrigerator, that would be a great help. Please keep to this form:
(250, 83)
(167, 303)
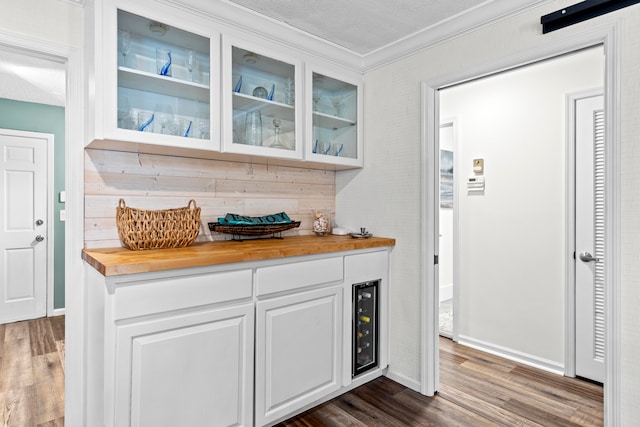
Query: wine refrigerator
(365, 327)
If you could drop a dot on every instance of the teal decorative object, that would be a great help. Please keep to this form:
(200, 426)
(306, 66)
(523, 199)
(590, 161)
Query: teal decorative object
(277, 218)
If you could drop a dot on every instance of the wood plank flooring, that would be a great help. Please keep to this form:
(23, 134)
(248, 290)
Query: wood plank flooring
(476, 389)
(32, 373)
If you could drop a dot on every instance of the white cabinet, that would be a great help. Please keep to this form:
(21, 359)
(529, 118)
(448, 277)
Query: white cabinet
(262, 114)
(173, 348)
(334, 117)
(192, 369)
(298, 351)
(160, 81)
(156, 74)
(241, 344)
(298, 335)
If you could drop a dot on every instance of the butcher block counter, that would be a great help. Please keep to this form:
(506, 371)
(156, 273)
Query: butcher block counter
(119, 261)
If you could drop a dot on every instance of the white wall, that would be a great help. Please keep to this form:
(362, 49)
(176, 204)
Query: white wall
(52, 21)
(386, 193)
(512, 237)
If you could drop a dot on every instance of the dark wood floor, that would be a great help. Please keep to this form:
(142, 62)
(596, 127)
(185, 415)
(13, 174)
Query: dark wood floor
(32, 373)
(476, 389)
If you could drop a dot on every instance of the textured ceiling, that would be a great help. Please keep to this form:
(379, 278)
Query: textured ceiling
(31, 79)
(363, 26)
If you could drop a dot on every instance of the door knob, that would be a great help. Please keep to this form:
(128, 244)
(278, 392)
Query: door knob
(39, 238)
(587, 257)
(39, 222)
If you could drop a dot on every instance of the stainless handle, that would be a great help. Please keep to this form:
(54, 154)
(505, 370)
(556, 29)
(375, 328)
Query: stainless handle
(39, 238)
(587, 257)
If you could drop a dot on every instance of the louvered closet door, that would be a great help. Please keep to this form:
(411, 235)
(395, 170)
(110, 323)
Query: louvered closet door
(590, 251)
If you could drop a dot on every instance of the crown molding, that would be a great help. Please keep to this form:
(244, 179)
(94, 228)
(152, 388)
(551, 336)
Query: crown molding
(74, 2)
(458, 25)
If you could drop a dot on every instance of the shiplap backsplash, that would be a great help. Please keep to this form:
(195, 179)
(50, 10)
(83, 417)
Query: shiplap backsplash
(162, 182)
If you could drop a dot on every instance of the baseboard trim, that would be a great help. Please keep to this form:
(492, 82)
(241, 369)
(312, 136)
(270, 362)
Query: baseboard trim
(57, 312)
(402, 379)
(515, 355)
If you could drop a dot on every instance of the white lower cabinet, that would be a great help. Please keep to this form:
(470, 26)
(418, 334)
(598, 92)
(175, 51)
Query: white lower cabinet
(186, 370)
(171, 349)
(247, 345)
(298, 351)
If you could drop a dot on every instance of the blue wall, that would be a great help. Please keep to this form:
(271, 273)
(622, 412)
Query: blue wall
(32, 117)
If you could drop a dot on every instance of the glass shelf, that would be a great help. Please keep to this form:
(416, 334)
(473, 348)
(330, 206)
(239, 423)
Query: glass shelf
(162, 85)
(331, 122)
(245, 103)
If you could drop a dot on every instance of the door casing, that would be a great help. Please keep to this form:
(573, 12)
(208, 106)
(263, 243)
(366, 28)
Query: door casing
(607, 36)
(75, 293)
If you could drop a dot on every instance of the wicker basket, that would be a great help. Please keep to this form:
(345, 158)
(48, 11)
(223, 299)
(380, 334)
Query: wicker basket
(157, 229)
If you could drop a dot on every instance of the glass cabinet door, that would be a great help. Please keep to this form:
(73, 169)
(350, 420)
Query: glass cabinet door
(163, 81)
(335, 111)
(262, 104)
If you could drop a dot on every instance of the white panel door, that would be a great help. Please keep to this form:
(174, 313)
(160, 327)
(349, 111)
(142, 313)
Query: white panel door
(590, 257)
(23, 225)
(298, 351)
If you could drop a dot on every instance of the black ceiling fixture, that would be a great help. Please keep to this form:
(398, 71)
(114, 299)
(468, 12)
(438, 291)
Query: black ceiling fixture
(581, 12)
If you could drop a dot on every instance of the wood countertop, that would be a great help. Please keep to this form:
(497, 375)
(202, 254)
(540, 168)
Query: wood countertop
(119, 261)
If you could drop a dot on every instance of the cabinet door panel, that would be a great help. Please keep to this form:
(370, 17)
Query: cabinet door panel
(190, 370)
(156, 80)
(298, 351)
(333, 117)
(261, 114)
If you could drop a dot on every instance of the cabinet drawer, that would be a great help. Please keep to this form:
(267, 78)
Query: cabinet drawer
(173, 293)
(286, 277)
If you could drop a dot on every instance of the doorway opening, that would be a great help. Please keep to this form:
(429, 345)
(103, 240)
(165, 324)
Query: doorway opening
(539, 172)
(512, 203)
(33, 105)
(447, 271)
(32, 108)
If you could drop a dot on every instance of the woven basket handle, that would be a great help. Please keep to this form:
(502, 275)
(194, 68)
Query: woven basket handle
(192, 202)
(122, 204)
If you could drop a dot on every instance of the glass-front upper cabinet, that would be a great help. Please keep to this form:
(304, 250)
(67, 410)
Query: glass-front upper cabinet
(155, 80)
(261, 96)
(164, 79)
(334, 112)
